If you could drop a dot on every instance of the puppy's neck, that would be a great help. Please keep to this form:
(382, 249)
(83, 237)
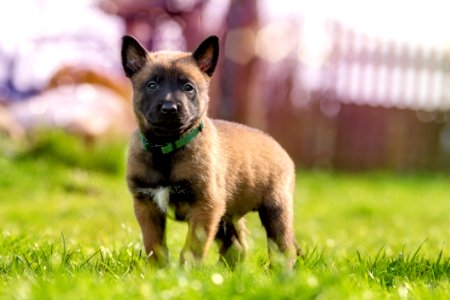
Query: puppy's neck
(168, 142)
(160, 136)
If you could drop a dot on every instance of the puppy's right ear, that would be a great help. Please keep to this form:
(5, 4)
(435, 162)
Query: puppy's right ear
(134, 55)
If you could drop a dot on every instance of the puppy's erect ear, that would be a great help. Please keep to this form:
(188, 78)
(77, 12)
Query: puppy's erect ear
(134, 55)
(206, 55)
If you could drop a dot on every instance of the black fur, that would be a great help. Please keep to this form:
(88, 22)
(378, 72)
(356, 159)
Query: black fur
(134, 55)
(207, 54)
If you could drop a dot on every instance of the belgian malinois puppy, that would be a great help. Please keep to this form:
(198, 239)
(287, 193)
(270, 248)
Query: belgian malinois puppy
(207, 172)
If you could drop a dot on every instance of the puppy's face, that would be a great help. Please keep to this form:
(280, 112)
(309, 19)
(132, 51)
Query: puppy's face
(170, 89)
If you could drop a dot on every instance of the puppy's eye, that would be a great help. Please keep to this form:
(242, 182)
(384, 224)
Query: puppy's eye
(187, 87)
(152, 85)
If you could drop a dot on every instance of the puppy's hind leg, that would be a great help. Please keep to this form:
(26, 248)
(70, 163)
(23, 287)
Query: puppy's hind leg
(277, 219)
(231, 237)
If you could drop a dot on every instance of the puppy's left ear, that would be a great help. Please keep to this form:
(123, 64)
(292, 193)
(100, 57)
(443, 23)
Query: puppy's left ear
(207, 54)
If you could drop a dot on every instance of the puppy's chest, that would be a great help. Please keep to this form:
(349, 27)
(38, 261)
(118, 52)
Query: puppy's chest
(175, 199)
(161, 182)
(159, 195)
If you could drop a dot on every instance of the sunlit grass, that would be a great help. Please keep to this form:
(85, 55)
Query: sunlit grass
(67, 230)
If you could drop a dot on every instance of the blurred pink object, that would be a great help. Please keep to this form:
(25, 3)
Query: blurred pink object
(86, 109)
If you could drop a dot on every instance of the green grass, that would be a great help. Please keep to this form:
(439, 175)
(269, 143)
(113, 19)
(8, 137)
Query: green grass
(67, 231)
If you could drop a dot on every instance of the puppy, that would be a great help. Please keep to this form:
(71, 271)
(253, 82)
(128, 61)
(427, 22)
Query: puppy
(207, 172)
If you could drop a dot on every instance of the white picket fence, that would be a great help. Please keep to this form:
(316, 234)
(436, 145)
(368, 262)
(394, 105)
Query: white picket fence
(389, 74)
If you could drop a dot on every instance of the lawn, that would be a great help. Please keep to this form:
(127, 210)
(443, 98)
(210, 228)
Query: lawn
(67, 231)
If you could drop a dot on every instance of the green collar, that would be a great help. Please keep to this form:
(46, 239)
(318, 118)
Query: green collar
(170, 147)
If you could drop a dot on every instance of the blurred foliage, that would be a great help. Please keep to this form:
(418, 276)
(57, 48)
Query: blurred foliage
(104, 155)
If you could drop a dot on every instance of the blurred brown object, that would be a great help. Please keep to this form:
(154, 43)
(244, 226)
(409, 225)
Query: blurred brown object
(239, 63)
(74, 75)
(143, 18)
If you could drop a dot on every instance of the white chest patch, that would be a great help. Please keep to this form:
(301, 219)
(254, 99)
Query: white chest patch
(160, 195)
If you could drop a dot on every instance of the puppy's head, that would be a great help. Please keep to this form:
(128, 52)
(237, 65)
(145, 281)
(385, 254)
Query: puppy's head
(170, 89)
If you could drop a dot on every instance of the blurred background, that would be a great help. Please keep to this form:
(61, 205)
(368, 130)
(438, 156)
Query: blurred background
(348, 84)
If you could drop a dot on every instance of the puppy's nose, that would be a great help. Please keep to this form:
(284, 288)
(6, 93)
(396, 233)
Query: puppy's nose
(169, 108)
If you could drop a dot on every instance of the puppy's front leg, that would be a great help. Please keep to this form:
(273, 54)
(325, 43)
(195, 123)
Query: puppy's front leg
(203, 224)
(152, 222)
